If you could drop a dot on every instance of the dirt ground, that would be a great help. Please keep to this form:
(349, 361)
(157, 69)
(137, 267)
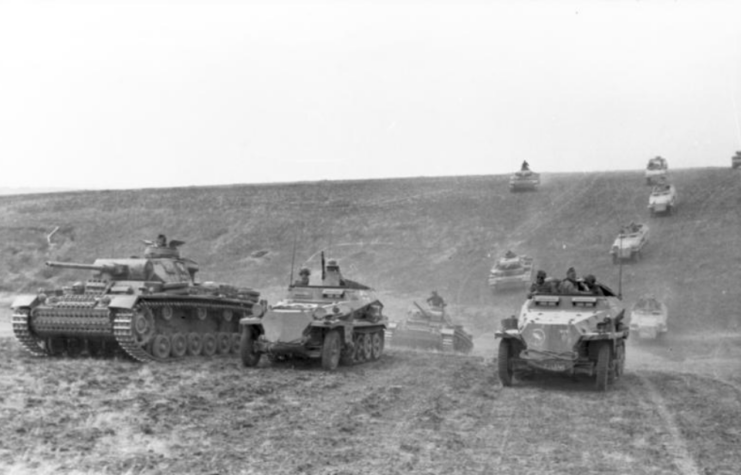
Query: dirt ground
(409, 412)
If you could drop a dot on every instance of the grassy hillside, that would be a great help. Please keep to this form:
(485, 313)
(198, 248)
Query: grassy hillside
(405, 237)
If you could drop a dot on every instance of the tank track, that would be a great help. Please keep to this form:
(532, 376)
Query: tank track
(124, 320)
(22, 332)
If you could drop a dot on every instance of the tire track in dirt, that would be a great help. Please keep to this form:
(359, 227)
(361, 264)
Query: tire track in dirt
(677, 446)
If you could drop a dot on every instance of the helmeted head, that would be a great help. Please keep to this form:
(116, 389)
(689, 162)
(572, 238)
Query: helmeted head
(590, 279)
(161, 240)
(541, 275)
(571, 273)
(332, 265)
(304, 272)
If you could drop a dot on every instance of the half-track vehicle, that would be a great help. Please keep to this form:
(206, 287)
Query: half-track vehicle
(648, 319)
(338, 324)
(511, 272)
(150, 307)
(657, 169)
(736, 160)
(429, 329)
(579, 333)
(629, 243)
(663, 199)
(524, 180)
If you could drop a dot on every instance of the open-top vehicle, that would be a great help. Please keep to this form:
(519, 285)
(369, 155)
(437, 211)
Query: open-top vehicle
(337, 324)
(579, 333)
(663, 199)
(649, 318)
(629, 243)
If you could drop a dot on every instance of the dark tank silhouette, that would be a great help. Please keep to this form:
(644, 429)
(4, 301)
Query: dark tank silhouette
(150, 307)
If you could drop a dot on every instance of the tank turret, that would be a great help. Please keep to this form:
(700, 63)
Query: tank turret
(152, 308)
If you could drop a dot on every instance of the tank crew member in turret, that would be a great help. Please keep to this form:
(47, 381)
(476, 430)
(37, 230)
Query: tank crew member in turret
(332, 275)
(525, 166)
(303, 277)
(510, 255)
(435, 301)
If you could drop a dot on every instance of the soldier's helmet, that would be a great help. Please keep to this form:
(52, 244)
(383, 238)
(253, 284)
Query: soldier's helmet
(541, 274)
(304, 271)
(590, 279)
(332, 263)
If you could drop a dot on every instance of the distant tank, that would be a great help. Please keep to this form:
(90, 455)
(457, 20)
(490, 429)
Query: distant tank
(430, 329)
(629, 243)
(649, 319)
(656, 170)
(579, 333)
(338, 324)
(736, 160)
(152, 308)
(663, 199)
(511, 272)
(524, 180)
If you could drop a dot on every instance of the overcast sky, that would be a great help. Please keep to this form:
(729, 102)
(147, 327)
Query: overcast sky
(157, 94)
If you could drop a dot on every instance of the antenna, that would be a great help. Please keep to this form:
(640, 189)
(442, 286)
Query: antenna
(293, 260)
(620, 267)
(323, 272)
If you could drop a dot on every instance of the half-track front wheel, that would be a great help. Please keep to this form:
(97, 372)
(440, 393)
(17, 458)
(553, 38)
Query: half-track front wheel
(331, 350)
(504, 362)
(603, 367)
(247, 352)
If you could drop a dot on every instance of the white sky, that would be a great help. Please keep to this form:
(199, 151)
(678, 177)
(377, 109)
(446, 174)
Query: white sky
(157, 94)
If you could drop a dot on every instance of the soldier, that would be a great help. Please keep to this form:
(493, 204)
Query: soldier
(161, 241)
(540, 285)
(303, 279)
(525, 166)
(435, 301)
(569, 285)
(510, 255)
(332, 275)
(592, 286)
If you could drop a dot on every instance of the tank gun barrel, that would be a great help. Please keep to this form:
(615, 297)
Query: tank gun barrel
(113, 269)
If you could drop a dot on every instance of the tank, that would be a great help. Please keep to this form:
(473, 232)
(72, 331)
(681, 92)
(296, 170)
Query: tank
(736, 160)
(657, 169)
(524, 180)
(629, 243)
(430, 329)
(337, 324)
(151, 307)
(663, 199)
(511, 272)
(571, 334)
(649, 319)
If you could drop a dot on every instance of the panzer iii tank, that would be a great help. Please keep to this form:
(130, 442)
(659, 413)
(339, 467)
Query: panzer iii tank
(511, 272)
(152, 308)
(578, 333)
(524, 180)
(429, 329)
(338, 324)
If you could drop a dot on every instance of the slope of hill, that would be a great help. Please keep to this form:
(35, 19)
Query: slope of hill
(404, 236)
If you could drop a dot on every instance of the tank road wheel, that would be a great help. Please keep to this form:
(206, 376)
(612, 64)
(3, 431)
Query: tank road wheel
(55, 346)
(367, 346)
(167, 312)
(223, 343)
(247, 352)
(209, 344)
(359, 355)
(161, 346)
(195, 344)
(377, 345)
(603, 367)
(331, 349)
(201, 313)
(236, 342)
(143, 326)
(504, 362)
(179, 344)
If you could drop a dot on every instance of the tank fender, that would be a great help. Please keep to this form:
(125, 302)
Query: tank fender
(123, 301)
(508, 334)
(345, 326)
(250, 321)
(25, 301)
